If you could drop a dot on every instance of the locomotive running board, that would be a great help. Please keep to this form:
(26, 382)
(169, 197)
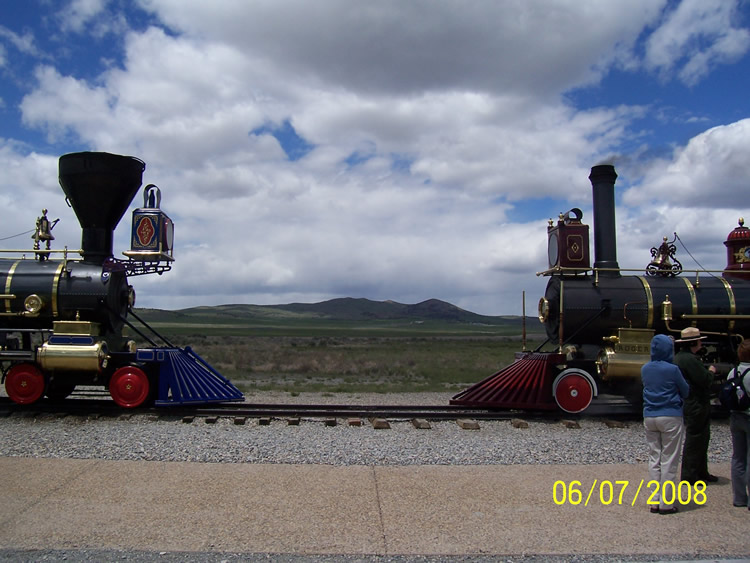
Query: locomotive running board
(524, 384)
(185, 378)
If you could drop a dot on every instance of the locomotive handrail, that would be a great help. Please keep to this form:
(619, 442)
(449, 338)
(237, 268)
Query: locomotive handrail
(729, 317)
(19, 313)
(142, 264)
(568, 270)
(32, 251)
(718, 317)
(29, 330)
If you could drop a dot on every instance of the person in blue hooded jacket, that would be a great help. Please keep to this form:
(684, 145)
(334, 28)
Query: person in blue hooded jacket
(664, 389)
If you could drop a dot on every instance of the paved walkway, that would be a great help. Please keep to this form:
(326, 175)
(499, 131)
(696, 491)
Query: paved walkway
(358, 510)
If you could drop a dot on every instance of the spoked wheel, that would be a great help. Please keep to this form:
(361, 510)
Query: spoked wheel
(129, 387)
(24, 384)
(573, 390)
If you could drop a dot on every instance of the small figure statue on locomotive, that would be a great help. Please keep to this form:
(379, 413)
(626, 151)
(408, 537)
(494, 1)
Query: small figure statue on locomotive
(600, 319)
(62, 320)
(43, 232)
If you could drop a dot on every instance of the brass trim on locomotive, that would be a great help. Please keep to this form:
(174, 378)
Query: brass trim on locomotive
(33, 304)
(732, 302)
(693, 297)
(625, 354)
(73, 357)
(55, 290)
(649, 302)
(9, 277)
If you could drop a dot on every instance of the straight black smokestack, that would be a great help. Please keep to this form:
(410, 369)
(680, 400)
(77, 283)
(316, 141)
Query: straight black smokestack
(603, 178)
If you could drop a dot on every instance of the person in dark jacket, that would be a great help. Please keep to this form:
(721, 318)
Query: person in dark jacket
(739, 427)
(664, 389)
(697, 410)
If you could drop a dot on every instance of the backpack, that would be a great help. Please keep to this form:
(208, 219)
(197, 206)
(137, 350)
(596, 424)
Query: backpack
(733, 395)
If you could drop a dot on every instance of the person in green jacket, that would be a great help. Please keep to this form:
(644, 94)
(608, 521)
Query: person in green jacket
(697, 407)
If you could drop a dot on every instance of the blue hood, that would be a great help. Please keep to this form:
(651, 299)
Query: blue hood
(662, 348)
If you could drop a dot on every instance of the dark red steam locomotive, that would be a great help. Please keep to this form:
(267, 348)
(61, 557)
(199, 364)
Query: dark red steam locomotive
(62, 318)
(600, 319)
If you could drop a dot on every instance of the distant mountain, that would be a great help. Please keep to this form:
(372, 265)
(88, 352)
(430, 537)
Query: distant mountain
(348, 308)
(342, 309)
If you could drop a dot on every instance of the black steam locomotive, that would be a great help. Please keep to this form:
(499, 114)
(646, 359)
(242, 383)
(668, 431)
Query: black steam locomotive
(62, 319)
(600, 320)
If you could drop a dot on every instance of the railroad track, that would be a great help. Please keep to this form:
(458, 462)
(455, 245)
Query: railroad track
(100, 405)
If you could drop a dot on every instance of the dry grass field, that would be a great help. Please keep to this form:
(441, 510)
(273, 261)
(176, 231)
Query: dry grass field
(347, 345)
(339, 364)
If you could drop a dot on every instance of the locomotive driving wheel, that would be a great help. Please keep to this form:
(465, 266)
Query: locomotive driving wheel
(129, 387)
(24, 384)
(573, 390)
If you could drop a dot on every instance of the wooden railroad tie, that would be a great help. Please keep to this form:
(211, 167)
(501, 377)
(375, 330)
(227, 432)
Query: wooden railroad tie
(468, 424)
(379, 423)
(420, 423)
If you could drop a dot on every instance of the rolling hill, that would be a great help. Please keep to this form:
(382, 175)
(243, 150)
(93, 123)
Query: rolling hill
(341, 309)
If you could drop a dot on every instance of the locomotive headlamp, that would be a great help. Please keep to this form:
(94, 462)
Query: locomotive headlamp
(33, 304)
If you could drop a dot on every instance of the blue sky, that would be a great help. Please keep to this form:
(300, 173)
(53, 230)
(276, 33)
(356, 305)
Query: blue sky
(388, 150)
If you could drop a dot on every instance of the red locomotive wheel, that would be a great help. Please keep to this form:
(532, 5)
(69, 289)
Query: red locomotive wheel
(573, 391)
(129, 387)
(24, 384)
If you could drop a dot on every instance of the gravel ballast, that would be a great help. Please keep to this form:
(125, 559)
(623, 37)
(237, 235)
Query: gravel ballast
(145, 437)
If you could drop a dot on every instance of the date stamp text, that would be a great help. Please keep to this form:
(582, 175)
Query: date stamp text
(608, 492)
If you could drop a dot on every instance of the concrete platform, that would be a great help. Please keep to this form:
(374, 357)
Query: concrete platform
(357, 510)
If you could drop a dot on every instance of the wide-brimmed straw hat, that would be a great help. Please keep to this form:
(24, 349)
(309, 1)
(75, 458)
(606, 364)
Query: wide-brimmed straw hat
(690, 334)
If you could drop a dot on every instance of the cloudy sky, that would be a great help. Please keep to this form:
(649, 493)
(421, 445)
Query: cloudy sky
(386, 149)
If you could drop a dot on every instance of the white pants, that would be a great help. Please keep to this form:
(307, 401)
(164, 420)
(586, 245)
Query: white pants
(664, 439)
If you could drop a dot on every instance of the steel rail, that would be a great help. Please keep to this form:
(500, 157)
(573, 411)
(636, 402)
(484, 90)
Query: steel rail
(105, 407)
